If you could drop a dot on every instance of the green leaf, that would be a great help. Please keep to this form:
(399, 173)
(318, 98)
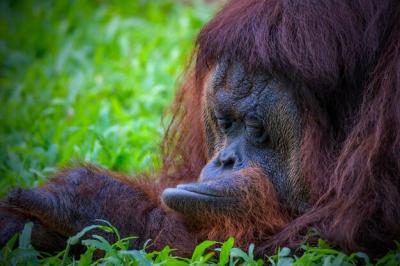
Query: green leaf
(284, 252)
(364, 257)
(99, 243)
(7, 249)
(251, 250)
(236, 252)
(73, 240)
(25, 237)
(285, 262)
(163, 254)
(25, 257)
(225, 251)
(199, 250)
(86, 258)
(109, 228)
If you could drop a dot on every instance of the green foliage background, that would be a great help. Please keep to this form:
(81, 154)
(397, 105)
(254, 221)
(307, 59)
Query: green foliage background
(88, 80)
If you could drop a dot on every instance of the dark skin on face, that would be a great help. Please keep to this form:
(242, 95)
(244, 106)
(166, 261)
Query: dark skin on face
(251, 121)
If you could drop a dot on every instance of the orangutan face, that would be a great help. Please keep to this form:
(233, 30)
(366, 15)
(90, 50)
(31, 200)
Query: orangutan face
(252, 122)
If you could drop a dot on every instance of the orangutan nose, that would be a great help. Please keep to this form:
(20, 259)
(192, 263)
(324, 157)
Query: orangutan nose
(227, 158)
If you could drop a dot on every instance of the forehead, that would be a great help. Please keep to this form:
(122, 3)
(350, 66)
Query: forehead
(232, 89)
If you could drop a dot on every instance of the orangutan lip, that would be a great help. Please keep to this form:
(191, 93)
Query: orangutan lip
(198, 190)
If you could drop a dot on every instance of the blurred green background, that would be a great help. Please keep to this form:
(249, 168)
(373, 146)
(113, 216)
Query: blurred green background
(89, 80)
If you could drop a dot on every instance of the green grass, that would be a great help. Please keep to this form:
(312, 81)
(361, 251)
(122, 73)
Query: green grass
(206, 253)
(89, 81)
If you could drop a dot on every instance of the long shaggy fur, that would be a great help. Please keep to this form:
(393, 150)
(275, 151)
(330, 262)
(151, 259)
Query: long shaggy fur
(346, 56)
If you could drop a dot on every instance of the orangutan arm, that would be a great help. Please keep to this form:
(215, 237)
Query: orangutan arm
(75, 198)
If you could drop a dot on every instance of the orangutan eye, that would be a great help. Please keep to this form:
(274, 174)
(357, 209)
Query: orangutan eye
(255, 131)
(224, 124)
